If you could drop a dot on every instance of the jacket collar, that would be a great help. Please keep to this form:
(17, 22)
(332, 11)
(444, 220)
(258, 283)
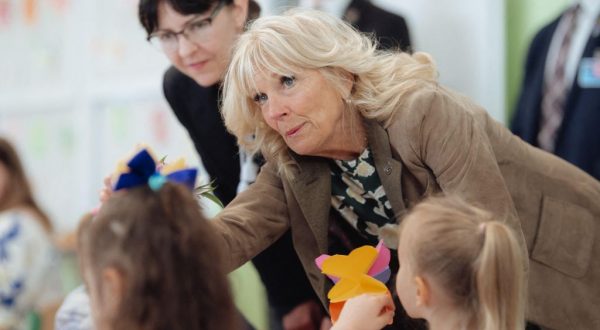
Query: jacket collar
(388, 168)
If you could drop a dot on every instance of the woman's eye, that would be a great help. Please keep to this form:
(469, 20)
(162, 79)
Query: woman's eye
(166, 37)
(260, 98)
(288, 81)
(199, 25)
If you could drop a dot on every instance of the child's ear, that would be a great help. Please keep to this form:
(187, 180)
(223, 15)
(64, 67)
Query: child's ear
(423, 292)
(112, 288)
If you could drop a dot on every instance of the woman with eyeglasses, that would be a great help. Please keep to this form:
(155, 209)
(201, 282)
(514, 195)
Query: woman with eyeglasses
(197, 37)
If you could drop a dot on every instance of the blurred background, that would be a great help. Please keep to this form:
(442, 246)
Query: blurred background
(80, 86)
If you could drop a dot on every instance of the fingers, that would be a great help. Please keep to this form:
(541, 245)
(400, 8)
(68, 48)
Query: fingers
(386, 313)
(106, 191)
(367, 311)
(385, 300)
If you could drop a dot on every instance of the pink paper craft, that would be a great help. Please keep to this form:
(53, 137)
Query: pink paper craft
(383, 260)
(319, 261)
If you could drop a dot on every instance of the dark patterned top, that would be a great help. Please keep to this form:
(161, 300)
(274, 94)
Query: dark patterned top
(358, 195)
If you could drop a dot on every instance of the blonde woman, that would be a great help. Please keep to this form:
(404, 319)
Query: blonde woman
(460, 269)
(353, 136)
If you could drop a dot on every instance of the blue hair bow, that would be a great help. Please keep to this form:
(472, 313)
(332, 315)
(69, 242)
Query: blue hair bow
(143, 170)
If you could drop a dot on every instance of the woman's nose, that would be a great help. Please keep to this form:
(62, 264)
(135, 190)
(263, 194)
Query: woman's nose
(276, 110)
(185, 47)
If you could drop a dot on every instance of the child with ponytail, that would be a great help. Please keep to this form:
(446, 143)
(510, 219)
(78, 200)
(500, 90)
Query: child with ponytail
(459, 269)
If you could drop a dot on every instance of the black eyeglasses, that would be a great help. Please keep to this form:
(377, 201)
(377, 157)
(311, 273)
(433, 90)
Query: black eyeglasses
(197, 31)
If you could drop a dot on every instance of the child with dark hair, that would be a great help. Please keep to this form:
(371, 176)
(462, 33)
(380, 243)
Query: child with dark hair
(150, 261)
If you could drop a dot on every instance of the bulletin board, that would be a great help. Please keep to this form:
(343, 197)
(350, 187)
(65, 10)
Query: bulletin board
(80, 88)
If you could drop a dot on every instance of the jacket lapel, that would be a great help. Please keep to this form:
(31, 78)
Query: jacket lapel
(388, 168)
(312, 189)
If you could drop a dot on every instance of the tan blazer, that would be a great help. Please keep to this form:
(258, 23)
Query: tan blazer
(440, 141)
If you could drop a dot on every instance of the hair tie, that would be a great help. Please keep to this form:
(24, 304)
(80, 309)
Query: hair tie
(156, 181)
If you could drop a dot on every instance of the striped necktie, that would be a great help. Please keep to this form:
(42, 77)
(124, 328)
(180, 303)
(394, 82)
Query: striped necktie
(556, 88)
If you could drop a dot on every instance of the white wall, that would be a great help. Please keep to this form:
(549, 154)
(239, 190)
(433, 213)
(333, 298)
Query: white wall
(466, 39)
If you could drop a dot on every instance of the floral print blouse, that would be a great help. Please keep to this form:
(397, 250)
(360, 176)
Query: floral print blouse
(358, 195)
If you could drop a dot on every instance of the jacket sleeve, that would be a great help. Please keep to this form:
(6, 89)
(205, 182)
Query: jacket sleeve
(255, 219)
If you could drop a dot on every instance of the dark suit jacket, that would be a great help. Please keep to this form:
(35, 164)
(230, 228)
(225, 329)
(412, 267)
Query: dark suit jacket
(578, 140)
(391, 30)
(196, 107)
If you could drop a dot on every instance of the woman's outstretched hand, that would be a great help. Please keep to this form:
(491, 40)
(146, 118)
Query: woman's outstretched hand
(366, 312)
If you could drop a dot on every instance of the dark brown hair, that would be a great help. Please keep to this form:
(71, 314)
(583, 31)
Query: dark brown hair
(148, 10)
(18, 191)
(166, 252)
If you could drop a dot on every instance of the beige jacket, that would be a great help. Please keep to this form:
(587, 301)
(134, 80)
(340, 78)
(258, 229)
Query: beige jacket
(440, 141)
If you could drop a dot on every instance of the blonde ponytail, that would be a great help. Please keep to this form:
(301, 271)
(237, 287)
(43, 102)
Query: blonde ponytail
(499, 293)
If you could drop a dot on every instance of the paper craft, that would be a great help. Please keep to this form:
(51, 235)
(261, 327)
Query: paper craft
(364, 270)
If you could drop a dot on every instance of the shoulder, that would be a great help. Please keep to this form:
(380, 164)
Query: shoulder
(543, 37)
(429, 113)
(184, 95)
(173, 78)
(177, 85)
(430, 101)
(75, 312)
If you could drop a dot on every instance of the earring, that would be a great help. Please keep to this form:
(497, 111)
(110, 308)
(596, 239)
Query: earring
(348, 101)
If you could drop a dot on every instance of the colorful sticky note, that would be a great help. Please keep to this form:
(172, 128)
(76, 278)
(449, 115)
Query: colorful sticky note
(5, 13)
(30, 8)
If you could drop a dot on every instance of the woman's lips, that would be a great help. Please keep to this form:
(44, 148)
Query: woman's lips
(294, 131)
(197, 65)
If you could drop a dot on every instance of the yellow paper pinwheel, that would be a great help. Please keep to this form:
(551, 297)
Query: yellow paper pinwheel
(352, 273)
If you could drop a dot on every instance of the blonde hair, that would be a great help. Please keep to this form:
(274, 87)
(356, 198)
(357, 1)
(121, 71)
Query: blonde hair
(476, 258)
(303, 39)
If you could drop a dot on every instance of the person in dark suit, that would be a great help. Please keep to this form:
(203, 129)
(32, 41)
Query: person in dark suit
(565, 51)
(390, 29)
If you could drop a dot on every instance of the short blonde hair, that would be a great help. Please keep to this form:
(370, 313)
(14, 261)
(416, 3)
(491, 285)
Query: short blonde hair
(303, 39)
(475, 257)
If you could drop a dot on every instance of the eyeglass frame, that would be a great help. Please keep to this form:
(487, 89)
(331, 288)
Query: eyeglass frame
(182, 32)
